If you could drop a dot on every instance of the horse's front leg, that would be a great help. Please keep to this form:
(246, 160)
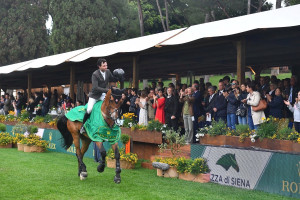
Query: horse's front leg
(82, 173)
(101, 166)
(117, 178)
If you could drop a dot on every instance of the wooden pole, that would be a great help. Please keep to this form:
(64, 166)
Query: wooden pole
(72, 82)
(29, 85)
(178, 78)
(135, 73)
(240, 46)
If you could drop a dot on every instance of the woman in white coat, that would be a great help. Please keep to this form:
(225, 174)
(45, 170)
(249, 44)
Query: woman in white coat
(253, 99)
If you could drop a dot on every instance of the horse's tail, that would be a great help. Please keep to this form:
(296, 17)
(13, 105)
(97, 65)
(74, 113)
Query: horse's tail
(63, 129)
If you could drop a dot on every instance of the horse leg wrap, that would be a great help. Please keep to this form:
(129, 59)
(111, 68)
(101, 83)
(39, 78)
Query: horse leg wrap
(117, 178)
(86, 116)
(101, 167)
(82, 167)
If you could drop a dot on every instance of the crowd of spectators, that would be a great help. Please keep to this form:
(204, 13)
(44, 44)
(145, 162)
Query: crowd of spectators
(188, 107)
(195, 106)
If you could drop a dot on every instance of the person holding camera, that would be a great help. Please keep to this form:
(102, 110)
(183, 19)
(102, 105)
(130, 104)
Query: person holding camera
(232, 104)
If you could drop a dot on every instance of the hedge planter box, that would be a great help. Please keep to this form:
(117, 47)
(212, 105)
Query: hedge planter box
(27, 148)
(6, 146)
(170, 173)
(201, 178)
(153, 137)
(20, 147)
(111, 163)
(37, 149)
(266, 143)
(40, 125)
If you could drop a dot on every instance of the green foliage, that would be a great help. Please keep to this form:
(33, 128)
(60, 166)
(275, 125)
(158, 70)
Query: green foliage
(24, 117)
(283, 134)
(154, 125)
(47, 118)
(19, 128)
(5, 138)
(32, 129)
(173, 141)
(241, 129)
(125, 138)
(18, 137)
(267, 129)
(197, 166)
(23, 34)
(130, 157)
(218, 128)
(78, 24)
(2, 127)
(38, 119)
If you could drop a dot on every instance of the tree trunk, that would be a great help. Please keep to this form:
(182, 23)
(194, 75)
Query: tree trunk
(207, 17)
(161, 17)
(260, 4)
(223, 8)
(278, 3)
(167, 15)
(249, 7)
(141, 18)
(176, 15)
(212, 14)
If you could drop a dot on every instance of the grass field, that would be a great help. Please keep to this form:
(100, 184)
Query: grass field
(213, 79)
(54, 176)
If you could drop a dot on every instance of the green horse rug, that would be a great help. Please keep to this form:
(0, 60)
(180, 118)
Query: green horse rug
(96, 127)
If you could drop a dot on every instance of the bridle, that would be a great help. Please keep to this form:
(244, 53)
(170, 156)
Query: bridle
(108, 108)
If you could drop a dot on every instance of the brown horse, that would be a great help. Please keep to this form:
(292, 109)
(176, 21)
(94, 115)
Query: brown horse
(71, 133)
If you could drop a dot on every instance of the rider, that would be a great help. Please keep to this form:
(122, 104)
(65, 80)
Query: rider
(100, 85)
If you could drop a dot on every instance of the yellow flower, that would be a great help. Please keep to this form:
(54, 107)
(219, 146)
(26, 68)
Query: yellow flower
(263, 118)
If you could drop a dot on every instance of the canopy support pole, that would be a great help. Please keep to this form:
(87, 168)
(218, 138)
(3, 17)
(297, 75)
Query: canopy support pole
(29, 85)
(72, 82)
(135, 73)
(240, 47)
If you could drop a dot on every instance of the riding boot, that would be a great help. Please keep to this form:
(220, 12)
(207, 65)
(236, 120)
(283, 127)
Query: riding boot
(86, 116)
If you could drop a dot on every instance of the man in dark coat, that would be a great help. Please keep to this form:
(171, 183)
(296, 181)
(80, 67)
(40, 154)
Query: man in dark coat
(197, 107)
(220, 107)
(171, 107)
(100, 86)
(210, 103)
(45, 104)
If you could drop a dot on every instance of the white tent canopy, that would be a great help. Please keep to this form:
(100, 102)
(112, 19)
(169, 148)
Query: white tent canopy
(126, 46)
(284, 17)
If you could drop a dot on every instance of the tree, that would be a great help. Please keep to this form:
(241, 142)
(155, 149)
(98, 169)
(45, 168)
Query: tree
(291, 2)
(79, 24)
(141, 18)
(23, 33)
(161, 16)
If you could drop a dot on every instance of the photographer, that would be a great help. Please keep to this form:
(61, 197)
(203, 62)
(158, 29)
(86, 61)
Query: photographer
(232, 98)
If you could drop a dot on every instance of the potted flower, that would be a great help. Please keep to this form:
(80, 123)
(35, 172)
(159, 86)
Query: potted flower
(18, 137)
(195, 170)
(127, 159)
(22, 144)
(39, 146)
(5, 140)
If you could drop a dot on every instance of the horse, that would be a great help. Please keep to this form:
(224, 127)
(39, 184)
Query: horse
(70, 131)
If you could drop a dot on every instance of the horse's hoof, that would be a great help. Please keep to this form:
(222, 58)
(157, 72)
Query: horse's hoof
(83, 175)
(117, 180)
(101, 168)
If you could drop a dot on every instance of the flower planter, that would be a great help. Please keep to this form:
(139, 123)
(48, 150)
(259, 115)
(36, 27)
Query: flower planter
(111, 163)
(201, 178)
(296, 147)
(153, 137)
(170, 173)
(20, 147)
(37, 149)
(6, 146)
(266, 143)
(218, 140)
(27, 148)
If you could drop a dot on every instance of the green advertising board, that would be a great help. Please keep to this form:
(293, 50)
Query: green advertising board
(252, 169)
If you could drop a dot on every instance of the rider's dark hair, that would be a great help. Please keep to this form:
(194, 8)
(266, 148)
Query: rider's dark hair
(100, 61)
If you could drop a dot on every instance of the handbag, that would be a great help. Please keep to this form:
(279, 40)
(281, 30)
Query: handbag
(242, 111)
(261, 106)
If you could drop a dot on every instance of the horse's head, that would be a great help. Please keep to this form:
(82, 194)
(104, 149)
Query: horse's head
(111, 105)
